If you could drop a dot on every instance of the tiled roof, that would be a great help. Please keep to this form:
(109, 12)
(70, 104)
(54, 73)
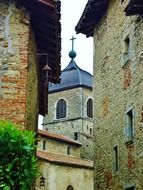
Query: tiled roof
(65, 160)
(58, 137)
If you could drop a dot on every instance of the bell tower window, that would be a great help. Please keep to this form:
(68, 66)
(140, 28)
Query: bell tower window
(61, 109)
(90, 108)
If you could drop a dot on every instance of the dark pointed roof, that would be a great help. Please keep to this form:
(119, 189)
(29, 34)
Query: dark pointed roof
(72, 77)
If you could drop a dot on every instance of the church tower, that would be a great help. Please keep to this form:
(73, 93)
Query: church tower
(71, 106)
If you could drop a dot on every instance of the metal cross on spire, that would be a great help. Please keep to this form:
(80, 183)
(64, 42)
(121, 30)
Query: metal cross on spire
(72, 39)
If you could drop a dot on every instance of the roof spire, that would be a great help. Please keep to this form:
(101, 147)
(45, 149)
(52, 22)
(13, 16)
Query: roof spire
(72, 53)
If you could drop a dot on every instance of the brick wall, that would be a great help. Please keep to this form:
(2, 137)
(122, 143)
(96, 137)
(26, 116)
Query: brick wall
(14, 62)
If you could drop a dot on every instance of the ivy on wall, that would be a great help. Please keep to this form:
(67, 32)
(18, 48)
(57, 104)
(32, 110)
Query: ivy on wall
(18, 165)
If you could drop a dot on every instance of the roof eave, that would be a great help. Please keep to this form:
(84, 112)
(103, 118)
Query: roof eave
(69, 88)
(92, 14)
(58, 138)
(135, 7)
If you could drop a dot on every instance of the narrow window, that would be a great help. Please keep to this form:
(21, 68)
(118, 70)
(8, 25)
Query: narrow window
(44, 144)
(68, 150)
(115, 159)
(90, 108)
(76, 136)
(126, 45)
(61, 109)
(129, 125)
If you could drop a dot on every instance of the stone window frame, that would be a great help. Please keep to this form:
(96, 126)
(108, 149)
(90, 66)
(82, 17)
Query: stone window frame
(126, 49)
(130, 125)
(66, 111)
(89, 108)
(115, 159)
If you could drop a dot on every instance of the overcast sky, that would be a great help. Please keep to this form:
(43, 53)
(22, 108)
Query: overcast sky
(71, 11)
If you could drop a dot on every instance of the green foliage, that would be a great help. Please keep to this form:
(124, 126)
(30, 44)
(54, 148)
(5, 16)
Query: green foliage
(18, 167)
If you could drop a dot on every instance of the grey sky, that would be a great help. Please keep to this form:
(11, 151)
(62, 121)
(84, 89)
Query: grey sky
(71, 11)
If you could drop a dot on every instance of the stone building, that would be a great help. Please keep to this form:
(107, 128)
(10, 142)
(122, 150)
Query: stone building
(61, 165)
(30, 48)
(117, 30)
(70, 106)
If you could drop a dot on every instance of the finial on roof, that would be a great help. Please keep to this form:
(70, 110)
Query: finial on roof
(72, 53)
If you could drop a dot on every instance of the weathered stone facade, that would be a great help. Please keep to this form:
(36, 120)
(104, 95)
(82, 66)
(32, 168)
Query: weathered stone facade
(61, 176)
(59, 166)
(118, 78)
(76, 122)
(52, 146)
(18, 70)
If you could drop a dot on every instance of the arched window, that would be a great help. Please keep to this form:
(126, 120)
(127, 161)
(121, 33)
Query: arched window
(90, 108)
(61, 109)
(69, 188)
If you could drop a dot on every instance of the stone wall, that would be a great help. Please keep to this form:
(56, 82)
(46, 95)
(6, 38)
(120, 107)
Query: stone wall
(76, 120)
(57, 147)
(60, 177)
(15, 64)
(118, 79)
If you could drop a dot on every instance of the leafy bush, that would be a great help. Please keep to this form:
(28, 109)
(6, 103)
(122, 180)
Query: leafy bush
(18, 167)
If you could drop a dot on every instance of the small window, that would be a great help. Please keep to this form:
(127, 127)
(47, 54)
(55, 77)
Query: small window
(115, 159)
(44, 144)
(76, 136)
(90, 108)
(68, 150)
(129, 127)
(61, 109)
(126, 44)
(69, 188)
(126, 50)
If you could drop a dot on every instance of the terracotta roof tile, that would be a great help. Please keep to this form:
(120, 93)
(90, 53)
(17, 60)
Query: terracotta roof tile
(58, 137)
(66, 160)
